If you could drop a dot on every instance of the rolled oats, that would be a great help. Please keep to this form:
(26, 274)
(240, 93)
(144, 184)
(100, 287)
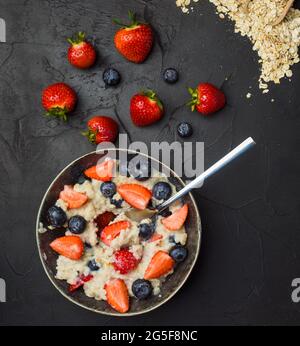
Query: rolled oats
(276, 45)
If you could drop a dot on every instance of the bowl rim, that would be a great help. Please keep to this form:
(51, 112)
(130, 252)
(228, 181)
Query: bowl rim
(127, 314)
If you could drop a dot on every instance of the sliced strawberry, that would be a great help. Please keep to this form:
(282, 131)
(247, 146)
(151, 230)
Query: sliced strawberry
(117, 295)
(160, 264)
(136, 195)
(102, 171)
(125, 261)
(112, 231)
(177, 219)
(80, 282)
(103, 220)
(155, 237)
(68, 246)
(72, 198)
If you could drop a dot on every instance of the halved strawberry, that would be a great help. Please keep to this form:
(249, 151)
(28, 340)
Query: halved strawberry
(136, 195)
(102, 171)
(155, 237)
(72, 198)
(125, 261)
(117, 295)
(112, 231)
(68, 246)
(160, 264)
(177, 219)
(80, 282)
(103, 220)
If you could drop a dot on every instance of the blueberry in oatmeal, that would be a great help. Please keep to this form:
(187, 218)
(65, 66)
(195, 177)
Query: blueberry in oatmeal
(76, 224)
(56, 216)
(162, 190)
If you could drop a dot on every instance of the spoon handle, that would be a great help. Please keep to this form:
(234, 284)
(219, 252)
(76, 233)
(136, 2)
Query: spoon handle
(197, 182)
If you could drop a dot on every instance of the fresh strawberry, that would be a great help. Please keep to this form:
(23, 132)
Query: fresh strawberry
(125, 261)
(110, 232)
(101, 129)
(136, 195)
(80, 282)
(146, 108)
(59, 99)
(72, 198)
(103, 171)
(117, 295)
(207, 99)
(160, 264)
(134, 41)
(155, 237)
(103, 220)
(177, 219)
(81, 54)
(69, 246)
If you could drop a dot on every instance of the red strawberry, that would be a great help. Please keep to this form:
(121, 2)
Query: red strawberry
(134, 41)
(59, 99)
(103, 220)
(110, 232)
(81, 54)
(125, 261)
(80, 282)
(69, 246)
(160, 264)
(101, 129)
(177, 219)
(117, 295)
(145, 108)
(72, 198)
(207, 99)
(136, 195)
(102, 171)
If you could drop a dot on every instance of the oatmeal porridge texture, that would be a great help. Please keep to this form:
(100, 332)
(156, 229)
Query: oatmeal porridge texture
(102, 252)
(276, 45)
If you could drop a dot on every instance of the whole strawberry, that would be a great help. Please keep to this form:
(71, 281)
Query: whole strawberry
(101, 129)
(59, 99)
(146, 108)
(207, 99)
(134, 41)
(81, 54)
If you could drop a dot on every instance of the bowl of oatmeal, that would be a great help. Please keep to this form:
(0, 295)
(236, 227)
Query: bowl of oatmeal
(99, 257)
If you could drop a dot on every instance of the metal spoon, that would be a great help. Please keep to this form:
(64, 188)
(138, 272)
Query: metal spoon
(138, 215)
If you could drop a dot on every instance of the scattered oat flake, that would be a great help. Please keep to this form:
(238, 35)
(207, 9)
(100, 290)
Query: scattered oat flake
(276, 45)
(248, 95)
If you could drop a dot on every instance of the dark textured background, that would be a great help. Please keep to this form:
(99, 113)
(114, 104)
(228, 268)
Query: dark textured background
(250, 212)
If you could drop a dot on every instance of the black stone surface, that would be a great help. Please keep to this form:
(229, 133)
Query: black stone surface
(250, 212)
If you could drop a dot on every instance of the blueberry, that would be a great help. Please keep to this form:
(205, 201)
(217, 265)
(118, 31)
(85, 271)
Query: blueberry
(116, 202)
(141, 171)
(108, 189)
(82, 178)
(170, 75)
(142, 289)
(111, 77)
(146, 231)
(162, 190)
(184, 130)
(178, 253)
(77, 224)
(92, 264)
(56, 216)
